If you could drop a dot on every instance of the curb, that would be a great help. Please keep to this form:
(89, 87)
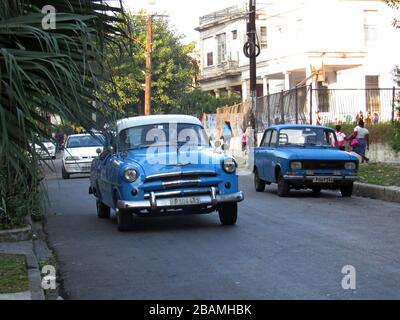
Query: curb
(15, 235)
(366, 190)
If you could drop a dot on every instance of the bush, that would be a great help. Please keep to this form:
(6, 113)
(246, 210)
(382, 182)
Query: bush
(19, 197)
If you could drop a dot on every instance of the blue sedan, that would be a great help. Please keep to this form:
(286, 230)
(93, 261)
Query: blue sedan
(303, 157)
(163, 165)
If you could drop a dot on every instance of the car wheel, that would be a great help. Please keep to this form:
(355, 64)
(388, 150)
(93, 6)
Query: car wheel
(103, 211)
(228, 213)
(124, 220)
(283, 187)
(346, 191)
(316, 190)
(258, 183)
(65, 174)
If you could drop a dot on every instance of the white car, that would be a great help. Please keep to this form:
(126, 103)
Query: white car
(79, 152)
(49, 150)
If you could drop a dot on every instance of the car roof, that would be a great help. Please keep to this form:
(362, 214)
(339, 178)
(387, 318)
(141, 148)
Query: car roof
(294, 126)
(156, 119)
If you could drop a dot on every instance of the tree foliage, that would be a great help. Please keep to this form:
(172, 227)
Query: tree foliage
(173, 70)
(44, 71)
(197, 102)
(395, 4)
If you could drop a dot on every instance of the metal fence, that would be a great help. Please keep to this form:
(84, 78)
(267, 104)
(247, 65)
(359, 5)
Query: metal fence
(322, 106)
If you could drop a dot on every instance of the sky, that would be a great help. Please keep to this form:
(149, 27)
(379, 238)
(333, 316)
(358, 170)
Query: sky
(183, 14)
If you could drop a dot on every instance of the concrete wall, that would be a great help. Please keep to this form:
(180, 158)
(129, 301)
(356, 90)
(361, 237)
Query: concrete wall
(379, 152)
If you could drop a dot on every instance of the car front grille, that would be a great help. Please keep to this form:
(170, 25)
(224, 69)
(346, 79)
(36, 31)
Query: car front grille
(322, 165)
(178, 180)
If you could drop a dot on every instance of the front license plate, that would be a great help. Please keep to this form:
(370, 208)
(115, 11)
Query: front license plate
(322, 180)
(184, 201)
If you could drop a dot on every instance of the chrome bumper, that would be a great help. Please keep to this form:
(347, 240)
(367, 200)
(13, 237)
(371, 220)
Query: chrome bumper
(174, 202)
(311, 178)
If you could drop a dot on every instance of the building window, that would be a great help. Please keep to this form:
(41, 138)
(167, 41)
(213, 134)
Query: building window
(234, 34)
(221, 43)
(372, 96)
(210, 61)
(323, 97)
(263, 37)
(370, 28)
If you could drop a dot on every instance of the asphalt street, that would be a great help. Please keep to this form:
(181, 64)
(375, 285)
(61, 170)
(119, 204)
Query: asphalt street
(281, 248)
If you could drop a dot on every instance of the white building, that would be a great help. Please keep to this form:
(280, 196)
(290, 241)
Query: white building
(343, 43)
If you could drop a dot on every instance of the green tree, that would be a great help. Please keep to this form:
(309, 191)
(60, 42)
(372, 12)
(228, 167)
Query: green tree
(395, 4)
(44, 71)
(173, 70)
(196, 102)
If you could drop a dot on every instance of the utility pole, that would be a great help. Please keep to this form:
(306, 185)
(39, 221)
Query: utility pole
(251, 50)
(149, 40)
(253, 53)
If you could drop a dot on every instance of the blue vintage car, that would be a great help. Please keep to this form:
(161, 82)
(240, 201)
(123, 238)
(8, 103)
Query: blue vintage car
(303, 157)
(162, 165)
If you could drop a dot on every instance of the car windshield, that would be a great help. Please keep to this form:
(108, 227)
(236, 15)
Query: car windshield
(165, 134)
(83, 141)
(307, 137)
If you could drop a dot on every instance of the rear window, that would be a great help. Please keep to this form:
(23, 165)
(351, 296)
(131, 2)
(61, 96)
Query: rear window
(85, 141)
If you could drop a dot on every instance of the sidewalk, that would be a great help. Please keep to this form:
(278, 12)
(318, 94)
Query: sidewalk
(25, 248)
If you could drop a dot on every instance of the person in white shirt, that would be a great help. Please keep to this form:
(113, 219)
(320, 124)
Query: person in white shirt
(360, 139)
(341, 137)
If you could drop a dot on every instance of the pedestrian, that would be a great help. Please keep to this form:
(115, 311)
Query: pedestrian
(244, 141)
(359, 116)
(376, 118)
(368, 119)
(341, 137)
(359, 140)
(227, 134)
(319, 119)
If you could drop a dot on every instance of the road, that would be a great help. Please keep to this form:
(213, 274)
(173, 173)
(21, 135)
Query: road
(281, 248)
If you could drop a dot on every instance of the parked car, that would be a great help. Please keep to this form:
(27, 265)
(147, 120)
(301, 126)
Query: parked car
(79, 152)
(303, 157)
(160, 165)
(47, 151)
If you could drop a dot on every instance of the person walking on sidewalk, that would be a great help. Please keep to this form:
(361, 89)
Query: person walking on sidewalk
(359, 140)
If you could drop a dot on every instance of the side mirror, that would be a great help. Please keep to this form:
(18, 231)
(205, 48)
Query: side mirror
(98, 150)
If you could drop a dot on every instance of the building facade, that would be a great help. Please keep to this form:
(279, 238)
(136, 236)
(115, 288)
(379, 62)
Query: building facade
(332, 44)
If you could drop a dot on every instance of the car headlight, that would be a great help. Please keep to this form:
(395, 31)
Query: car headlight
(130, 175)
(229, 165)
(295, 165)
(72, 158)
(350, 165)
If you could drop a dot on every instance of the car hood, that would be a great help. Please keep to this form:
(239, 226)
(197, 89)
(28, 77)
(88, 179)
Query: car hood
(81, 152)
(47, 145)
(316, 154)
(201, 158)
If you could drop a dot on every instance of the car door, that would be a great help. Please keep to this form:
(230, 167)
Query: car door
(104, 182)
(261, 154)
(269, 157)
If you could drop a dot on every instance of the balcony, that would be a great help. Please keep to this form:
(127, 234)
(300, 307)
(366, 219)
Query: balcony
(226, 68)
